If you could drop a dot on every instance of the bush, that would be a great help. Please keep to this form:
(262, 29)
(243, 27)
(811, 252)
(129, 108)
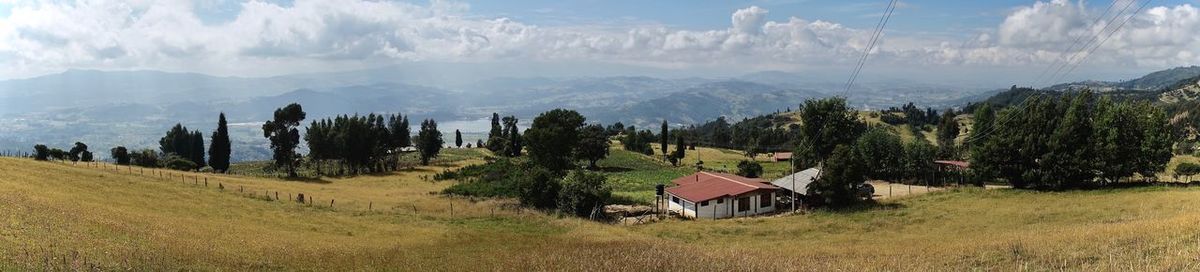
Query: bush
(749, 169)
(582, 192)
(179, 163)
(539, 188)
(41, 152)
(494, 179)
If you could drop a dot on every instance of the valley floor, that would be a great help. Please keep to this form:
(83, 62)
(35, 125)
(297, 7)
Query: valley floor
(56, 216)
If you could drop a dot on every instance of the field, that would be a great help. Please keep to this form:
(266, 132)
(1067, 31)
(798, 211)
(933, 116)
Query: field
(55, 216)
(634, 175)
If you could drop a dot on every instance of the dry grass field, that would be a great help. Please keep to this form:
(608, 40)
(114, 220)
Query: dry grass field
(62, 217)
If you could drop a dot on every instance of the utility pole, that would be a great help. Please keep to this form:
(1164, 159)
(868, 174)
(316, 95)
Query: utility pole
(793, 163)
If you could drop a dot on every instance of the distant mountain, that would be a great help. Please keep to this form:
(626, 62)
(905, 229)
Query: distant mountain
(732, 99)
(1152, 82)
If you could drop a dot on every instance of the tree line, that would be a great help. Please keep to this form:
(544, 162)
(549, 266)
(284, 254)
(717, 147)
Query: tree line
(1072, 141)
(179, 149)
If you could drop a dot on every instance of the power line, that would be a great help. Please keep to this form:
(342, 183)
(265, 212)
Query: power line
(887, 15)
(1024, 103)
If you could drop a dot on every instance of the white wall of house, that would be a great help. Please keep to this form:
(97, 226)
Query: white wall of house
(723, 207)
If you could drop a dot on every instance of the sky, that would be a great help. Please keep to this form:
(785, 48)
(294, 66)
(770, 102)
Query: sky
(988, 42)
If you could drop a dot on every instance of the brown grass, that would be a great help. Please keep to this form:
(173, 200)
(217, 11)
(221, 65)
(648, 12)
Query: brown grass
(59, 217)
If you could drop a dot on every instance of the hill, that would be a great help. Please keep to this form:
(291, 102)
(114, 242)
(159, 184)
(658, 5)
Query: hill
(1153, 82)
(58, 217)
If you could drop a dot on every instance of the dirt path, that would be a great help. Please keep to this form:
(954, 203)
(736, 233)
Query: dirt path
(900, 190)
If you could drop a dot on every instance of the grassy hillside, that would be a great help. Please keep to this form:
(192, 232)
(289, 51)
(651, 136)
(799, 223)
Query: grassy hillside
(93, 217)
(634, 175)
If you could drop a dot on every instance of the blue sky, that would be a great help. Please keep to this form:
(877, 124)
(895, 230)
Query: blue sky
(992, 39)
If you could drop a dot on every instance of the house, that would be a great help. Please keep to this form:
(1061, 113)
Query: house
(783, 156)
(719, 195)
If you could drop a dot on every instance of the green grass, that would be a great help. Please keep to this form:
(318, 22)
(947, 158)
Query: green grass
(108, 220)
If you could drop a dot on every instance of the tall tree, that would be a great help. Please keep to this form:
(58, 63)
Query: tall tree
(983, 126)
(458, 138)
(663, 138)
(840, 178)
(680, 151)
(593, 145)
(1069, 159)
(583, 193)
(284, 136)
(918, 159)
(513, 140)
(1155, 150)
(947, 133)
(496, 135)
(220, 148)
(552, 138)
(197, 150)
(429, 141)
(828, 123)
(881, 153)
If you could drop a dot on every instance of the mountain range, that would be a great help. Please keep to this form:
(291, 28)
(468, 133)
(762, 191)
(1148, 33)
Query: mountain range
(133, 108)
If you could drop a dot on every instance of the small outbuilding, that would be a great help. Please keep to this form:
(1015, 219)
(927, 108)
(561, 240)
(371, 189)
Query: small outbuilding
(720, 195)
(782, 156)
(798, 182)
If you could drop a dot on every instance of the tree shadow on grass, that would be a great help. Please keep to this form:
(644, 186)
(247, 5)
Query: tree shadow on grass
(307, 180)
(613, 169)
(865, 206)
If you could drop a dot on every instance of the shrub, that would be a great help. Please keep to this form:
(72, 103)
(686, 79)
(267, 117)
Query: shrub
(582, 192)
(749, 169)
(178, 163)
(41, 152)
(145, 158)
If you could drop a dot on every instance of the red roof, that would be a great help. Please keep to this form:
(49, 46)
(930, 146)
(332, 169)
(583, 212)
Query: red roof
(779, 156)
(960, 164)
(703, 186)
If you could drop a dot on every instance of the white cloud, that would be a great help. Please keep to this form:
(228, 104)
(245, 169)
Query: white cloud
(318, 35)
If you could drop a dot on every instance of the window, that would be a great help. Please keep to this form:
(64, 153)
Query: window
(764, 200)
(743, 204)
(675, 199)
(720, 200)
(704, 203)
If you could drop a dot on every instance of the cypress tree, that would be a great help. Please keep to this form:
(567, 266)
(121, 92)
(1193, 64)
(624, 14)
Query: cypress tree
(662, 138)
(197, 150)
(458, 138)
(220, 148)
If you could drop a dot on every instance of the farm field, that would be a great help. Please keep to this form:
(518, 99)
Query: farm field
(55, 216)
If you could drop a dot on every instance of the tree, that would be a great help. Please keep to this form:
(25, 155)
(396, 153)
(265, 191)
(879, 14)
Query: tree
(496, 137)
(514, 143)
(680, 151)
(983, 126)
(220, 147)
(145, 158)
(86, 156)
(593, 145)
(947, 133)
(583, 193)
(121, 155)
(41, 152)
(197, 150)
(749, 169)
(881, 153)
(552, 138)
(176, 162)
(58, 154)
(1069, 159)
(918, 159)
(663, 137)
(1155, 149)
(429, 141)
(828, 123)
(458, 138)
(720, 134)
(1187, 170)
(840, 178)
(284, 136)
(77, 151)
(479, 143)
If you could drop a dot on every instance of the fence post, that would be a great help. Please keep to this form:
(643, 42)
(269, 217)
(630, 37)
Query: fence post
(370, 206)
(451, 209)
(331, 203)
